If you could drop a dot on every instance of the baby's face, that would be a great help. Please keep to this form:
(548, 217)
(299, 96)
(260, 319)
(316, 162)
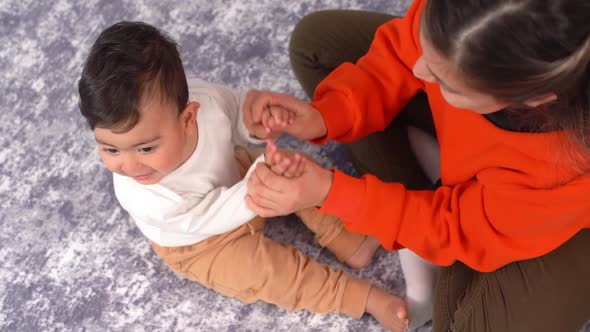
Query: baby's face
(158, 144)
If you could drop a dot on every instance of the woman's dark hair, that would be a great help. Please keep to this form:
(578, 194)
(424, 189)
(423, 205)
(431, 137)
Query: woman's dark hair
(519, 49)
(128, 62)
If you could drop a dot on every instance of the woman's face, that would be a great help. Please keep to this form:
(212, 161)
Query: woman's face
(433, 67)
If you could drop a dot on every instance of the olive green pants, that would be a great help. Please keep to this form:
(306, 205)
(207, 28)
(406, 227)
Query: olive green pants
(550, 293)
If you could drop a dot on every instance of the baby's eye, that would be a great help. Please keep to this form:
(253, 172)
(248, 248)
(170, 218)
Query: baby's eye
(110, 150)
(147, 149)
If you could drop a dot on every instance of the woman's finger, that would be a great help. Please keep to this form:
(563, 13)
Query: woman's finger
(247, 108)
(256, 185)
(259, 210)
(271, 181)
(259, 104)
(263, 202)
(258, 188)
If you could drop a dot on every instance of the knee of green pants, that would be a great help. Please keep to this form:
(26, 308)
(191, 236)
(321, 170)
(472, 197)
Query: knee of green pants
(305, 45)
(323, 40)
(388, 156)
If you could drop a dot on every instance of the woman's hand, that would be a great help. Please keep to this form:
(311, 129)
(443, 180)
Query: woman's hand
(272, 195)
(269, 114)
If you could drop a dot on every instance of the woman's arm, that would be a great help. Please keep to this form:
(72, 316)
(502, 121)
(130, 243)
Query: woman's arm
(484, 226)
(355, 99)
(358, 99)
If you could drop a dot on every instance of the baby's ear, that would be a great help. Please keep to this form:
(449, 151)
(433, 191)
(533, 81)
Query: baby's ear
(189, 113)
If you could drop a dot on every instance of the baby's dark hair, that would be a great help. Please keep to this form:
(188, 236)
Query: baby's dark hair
(128, 62)
(519, 49)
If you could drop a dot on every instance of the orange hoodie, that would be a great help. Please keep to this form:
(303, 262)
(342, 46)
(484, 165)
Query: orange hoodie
(505, 196)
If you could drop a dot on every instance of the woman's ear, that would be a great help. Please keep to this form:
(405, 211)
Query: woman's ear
(540, 100)
(420, 70)
(189, 114)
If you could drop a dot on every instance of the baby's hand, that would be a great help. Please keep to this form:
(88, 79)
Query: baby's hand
(276, 118)
(266, 115)
(289, 165)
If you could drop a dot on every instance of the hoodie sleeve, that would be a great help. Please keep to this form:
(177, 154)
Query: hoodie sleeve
(358, 99)
(483, 226)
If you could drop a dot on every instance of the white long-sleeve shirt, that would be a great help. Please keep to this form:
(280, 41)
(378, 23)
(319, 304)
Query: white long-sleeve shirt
(205, 195)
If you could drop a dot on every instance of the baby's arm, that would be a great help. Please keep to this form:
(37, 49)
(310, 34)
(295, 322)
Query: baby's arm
(197, 215)
(289, 165)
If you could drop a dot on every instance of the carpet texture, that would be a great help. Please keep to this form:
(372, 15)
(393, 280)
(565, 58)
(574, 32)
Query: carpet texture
(71, 259)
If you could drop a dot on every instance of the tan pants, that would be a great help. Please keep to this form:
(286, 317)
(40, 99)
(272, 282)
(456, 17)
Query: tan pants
(245, 264)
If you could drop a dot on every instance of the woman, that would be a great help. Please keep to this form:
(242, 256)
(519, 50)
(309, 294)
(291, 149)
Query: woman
(508, 87)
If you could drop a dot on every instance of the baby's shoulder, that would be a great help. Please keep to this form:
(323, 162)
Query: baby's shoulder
(213, 96)
(200, 87)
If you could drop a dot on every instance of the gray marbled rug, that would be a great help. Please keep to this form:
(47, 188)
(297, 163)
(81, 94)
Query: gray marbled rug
(70, 257)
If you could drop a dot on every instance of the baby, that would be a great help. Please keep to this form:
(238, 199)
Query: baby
(177, 150)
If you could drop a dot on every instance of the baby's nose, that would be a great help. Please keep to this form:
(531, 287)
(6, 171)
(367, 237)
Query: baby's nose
(132, 166)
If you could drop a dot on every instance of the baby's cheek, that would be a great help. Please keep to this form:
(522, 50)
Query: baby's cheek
(108, 162)
(167, 163)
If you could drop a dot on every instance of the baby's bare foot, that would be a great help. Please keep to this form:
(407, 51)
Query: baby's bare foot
(363, 255)
(389, 310)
